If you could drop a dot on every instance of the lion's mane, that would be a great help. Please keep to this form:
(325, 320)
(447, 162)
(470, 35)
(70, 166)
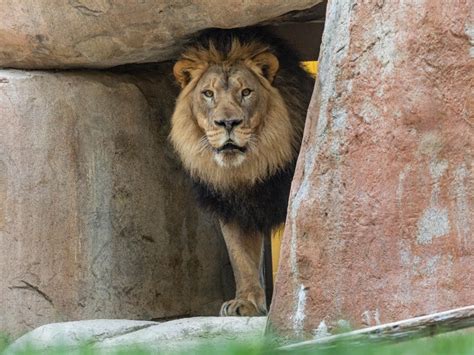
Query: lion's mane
(255, 194)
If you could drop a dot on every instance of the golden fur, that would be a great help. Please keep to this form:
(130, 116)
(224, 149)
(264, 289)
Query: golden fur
(237, 128)
(276, 138)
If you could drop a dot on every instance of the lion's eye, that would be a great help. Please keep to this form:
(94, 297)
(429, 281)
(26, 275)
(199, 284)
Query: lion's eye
(246, 92)
(208, 93)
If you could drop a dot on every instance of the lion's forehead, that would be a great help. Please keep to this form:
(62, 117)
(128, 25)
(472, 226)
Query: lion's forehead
(223, 77)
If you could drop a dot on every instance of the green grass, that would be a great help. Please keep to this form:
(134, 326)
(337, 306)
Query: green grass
(440, 345)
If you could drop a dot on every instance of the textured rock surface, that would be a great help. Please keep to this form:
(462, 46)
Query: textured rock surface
(96, 217)
(172, 336)
(75, 334)
(104, 33)
(380, 223)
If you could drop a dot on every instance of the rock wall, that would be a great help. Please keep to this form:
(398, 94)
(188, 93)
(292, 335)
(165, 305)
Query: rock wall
(97, 219)
(103, 33)
(380, 222)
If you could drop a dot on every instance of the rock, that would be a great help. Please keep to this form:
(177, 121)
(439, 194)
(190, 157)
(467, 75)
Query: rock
(97, 219)
(381, 216)
(189, 333)
(171, 336)
(72, 335)
(102, 33)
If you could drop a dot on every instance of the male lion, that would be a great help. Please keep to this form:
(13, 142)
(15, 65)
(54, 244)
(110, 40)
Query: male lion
(237, 127)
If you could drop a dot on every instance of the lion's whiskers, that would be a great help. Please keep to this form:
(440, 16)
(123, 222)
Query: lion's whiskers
(203, 144)
(252, 143)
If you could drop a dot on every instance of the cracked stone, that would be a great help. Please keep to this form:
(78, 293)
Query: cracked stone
(97, 219)
(100, 34)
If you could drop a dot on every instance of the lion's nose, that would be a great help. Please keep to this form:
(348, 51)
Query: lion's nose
(228, 124)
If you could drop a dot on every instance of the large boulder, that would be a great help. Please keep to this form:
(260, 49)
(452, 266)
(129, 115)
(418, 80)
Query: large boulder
(381, 217)
(109, 336)
(97, 219)
(103, 33)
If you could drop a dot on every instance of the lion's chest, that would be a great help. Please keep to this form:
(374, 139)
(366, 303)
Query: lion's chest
(259, 208)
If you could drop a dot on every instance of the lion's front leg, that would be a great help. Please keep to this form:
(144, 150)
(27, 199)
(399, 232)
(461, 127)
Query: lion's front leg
(245, 252)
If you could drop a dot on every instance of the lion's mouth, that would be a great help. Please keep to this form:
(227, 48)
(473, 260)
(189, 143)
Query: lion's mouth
(229, 146)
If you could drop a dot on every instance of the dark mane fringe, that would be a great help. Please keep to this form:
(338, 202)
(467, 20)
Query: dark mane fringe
(222, 40)
(263, 206)
(258, 208)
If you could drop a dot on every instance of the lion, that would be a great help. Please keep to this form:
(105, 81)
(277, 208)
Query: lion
(237, 128)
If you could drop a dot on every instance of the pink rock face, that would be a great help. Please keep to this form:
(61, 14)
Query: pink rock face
(380, 222)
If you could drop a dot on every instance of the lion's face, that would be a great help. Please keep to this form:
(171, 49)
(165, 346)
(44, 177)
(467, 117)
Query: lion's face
(227, 107)
(231, 125)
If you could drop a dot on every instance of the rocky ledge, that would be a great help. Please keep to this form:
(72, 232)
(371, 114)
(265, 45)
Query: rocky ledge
(107, 335)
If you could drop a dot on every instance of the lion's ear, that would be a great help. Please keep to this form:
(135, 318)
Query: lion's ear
(268, 65)
(183, 70)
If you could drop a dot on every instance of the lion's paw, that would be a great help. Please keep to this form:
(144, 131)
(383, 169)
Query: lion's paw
(241, 307)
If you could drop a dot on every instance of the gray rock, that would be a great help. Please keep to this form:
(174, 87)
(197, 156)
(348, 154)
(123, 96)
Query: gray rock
(171, 336)
(97, 219)
(71, 335)
(103, 33)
